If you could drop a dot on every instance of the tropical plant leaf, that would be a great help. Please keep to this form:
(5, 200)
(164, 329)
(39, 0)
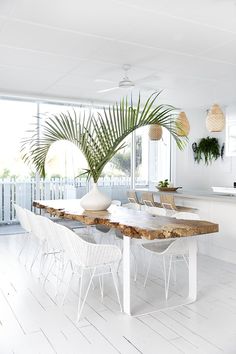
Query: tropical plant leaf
(100, 136)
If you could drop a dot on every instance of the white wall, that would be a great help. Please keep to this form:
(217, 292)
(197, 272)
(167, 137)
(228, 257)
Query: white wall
(191, 175)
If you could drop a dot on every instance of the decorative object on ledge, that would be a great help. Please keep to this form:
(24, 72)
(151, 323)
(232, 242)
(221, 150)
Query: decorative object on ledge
(168, 189)
(215, 121)
(99, 136)
(166, 186)
(207, 148)
(163, 184)
(155, 132)
(182, 124)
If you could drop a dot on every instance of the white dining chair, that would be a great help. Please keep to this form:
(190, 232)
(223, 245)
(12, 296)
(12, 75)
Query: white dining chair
(39, 236)
(24, 222)
(51, 248)
(85, 257)
(175, 249)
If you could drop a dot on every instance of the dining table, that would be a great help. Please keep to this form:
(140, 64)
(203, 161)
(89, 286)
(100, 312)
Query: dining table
(137, 224)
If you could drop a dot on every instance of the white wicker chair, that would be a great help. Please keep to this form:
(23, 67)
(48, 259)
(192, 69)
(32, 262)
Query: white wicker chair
(175, 249)
(85, 256)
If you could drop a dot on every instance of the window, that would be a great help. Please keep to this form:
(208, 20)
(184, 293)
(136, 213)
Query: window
(18, 182)
(16, 118)
(141, 157)
(159, 158)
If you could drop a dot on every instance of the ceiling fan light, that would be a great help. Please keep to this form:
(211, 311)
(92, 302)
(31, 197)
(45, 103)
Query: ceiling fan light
(155, 132)
(182, 125)
(124, 83)
(215, 121)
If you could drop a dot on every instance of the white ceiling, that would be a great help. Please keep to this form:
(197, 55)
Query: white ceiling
(70, 49)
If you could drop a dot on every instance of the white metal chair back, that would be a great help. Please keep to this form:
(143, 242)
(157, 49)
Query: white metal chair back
(86, 254)
(83, 255)
(37, 231)
(49, 231)
(22, 217)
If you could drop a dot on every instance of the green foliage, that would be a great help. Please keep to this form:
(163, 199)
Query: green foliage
(100, 136)
(6, 173)
(163, 184)
(207, 149)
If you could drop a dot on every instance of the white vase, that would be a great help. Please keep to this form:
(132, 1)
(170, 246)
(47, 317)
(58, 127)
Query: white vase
(95, 200)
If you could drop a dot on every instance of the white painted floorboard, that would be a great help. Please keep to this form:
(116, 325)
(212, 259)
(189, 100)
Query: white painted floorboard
(31, 322)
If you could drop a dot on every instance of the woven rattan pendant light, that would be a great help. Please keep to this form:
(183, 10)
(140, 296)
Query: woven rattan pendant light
(182, 124)
(155, 132)
(215, 121)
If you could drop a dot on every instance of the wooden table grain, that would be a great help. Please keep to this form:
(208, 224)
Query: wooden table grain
(132, 223)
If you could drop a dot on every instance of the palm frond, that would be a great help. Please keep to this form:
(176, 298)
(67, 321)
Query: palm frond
(100, 136)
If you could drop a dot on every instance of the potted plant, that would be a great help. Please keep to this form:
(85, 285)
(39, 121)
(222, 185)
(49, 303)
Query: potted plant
(99, 137)
(208, 149)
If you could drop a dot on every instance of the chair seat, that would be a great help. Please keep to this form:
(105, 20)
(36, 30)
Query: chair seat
(157, 246)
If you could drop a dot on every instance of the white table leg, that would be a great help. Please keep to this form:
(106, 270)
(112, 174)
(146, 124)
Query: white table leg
(192, 269)
(126, 275)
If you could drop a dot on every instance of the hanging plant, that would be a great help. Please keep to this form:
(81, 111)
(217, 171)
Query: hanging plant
(208, 149)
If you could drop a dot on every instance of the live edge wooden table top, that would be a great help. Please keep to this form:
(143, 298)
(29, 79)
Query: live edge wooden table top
(132, 223)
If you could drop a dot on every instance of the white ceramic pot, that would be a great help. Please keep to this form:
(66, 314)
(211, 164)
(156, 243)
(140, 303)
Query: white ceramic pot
(95, 200)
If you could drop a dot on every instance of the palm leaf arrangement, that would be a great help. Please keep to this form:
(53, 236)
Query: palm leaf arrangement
(99, 136)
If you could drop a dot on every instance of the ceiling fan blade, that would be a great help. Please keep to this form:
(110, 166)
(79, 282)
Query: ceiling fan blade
(109, 89)
(105, 81)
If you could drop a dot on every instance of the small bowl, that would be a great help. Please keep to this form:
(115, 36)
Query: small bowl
(168, 189)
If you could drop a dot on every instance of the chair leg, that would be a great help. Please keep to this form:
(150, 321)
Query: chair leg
(92, 279)
(101, 284)
(118, 266)
(81, 304)
(60, 272)
(35, 257)
(148, 269)
(167, 276)
(186, 261)
(26, 240)
(174, 270)
(135, 265)
(67, 289)
(50, 268)
(28, 248)
(115, 281)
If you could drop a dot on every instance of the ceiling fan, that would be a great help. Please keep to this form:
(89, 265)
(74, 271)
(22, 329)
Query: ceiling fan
(125, 82)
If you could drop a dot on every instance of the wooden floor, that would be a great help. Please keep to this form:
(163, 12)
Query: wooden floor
(31, 321)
